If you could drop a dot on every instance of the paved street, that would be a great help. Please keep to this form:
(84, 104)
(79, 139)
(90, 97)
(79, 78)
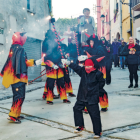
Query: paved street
(122, 121)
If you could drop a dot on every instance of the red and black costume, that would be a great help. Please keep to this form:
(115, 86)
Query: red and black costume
(88, 94)
(98, 51)
(108, 58)
(14, 73)
(53, 57)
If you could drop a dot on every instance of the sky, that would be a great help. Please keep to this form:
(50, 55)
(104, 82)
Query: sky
(74, 8)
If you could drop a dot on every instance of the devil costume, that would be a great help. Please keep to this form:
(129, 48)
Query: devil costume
(108, 58)
(54, 69)
(14, 73)
(98, 51)
(88, 95)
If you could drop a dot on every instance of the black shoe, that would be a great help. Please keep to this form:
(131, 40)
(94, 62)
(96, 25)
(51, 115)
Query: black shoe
(79, 129)
(13, 119)
(56, 97)
(72, 95)
(66, 101)
(130, 86)
(104, 109)
(49, 102)
(108, 83)
(136, 86)
(21, 117)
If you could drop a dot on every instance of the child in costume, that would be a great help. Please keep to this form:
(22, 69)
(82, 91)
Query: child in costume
(14, 73)
(88, 94)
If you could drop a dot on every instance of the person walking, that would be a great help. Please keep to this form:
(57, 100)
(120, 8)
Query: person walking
(132, 52)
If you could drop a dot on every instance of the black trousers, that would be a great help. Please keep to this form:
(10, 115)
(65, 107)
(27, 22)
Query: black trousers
(18, 99)
(133, 73)
(93, 112)
(116, 60)
(108, 71)
(60, 88)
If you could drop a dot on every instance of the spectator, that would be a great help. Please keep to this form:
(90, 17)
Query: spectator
(122, 58)
(132, 52)
(87, 25)
(70, 34)
(116, 45)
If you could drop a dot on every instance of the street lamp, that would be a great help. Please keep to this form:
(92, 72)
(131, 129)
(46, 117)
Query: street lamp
(129, 4)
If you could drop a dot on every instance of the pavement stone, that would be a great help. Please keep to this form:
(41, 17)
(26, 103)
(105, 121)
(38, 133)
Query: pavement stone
(29, 130)
(129, 135)
(123, 108)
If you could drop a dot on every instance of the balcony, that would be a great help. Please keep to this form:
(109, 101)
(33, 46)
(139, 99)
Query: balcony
(136, 5)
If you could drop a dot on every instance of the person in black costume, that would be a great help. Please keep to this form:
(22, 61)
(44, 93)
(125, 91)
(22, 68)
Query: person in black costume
(108, 58)
(88, 94)
(132, 52)
(95, 49)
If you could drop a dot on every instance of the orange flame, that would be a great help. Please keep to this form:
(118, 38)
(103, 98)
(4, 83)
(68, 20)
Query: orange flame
(68, 87)
(103, 70)
(16, 108)
(103, 101)
(63, 94)
(49, 95)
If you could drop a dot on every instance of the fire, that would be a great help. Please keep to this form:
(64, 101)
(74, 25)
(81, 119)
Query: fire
(60, 73)
(24, 78)
(49, 63)
(49, 95)
(16, 108)
(9, 76)
(103, 101)
(52, 74)
(63, 94)
(103, 70)
(68, 87)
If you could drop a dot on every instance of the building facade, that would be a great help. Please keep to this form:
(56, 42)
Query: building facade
(23, 16)
(136, 18)
(103, 27)
(126, 21)
(115, 19)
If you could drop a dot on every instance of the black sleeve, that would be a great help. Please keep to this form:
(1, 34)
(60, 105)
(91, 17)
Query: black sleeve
(100, 51)
(138, 50)
(76, 68)
(100, 79)
(124, 52)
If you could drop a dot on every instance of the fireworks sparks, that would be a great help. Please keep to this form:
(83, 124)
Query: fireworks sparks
(17, 89)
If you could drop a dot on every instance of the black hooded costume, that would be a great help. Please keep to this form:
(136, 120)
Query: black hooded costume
(88, 95)
(53, 57)
(98, 51)
(108, 58)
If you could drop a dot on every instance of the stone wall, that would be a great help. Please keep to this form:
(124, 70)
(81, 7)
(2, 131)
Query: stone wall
(14, 16)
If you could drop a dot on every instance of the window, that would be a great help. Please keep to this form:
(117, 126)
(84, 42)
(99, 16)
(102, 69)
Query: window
(31, 6)
(1, 31)
(28, 4)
